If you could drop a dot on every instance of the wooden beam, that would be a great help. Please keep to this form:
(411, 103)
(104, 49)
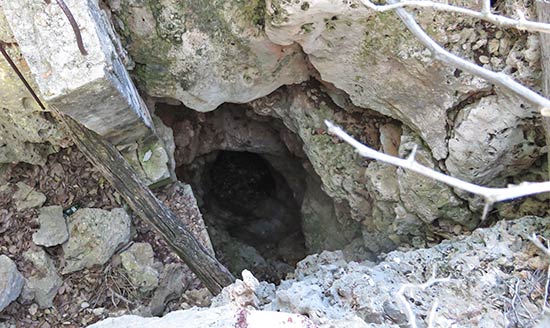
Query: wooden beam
(145, 204)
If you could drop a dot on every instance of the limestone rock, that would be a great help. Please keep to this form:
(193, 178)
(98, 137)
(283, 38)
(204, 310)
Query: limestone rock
(43, 284)
(26, 133)
(481, 266)
(184, 206)
(171, 286)
(150, 160)
(206, 53)
(138, 263)
(219, 317)
(381, 66)
(426, 198)
(94, 235)
(53, 228)
(491, 139)
(26, 197)
(11, 282)
(94, 88)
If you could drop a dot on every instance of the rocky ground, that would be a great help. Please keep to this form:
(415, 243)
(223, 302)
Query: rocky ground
(495, 277)
(64, 288)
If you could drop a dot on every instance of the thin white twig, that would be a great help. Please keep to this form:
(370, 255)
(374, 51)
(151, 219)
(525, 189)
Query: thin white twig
(433, 312)
(535, 240)
(409, 287)
(452, 60)
(485, 14)
(486, 8)
(491, 195)
(546, 250)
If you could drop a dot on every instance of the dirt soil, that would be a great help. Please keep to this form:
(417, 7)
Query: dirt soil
(89, 295)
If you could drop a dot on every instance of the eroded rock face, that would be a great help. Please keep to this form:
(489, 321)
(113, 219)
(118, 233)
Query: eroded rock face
(26, 134)
(492, 136)
(94, 235)
(375, 60)
(205, 53)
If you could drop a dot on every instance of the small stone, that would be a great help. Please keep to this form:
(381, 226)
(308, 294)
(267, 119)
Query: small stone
(138, 263)
(495, 61)
(98, 311)
(26, 197)
(94, 236)
(457, 229)
(33, 309)
(494, 44)
(498, 34)
(43, 285)
(504, 46)
(53, 228)
(12, 249)
(84, 305)
(484, 59)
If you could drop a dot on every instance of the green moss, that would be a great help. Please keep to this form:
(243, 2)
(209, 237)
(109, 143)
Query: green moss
(280, 15)
(254, 11)
(376, 40)
(307, 28)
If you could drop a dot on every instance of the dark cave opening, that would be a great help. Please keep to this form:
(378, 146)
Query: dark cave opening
(252, 202)
(250, 178)
(250, 211)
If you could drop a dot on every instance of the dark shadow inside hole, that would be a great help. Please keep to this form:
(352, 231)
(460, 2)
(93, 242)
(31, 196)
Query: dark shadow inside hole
(246, 198)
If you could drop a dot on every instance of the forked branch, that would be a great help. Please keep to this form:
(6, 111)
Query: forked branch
(491, 195)
(452, 60)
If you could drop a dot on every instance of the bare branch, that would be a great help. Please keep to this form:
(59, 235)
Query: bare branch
(535, 240)
(486, 9)
(491, 195)
(433, 312)
(454, 61)
(410, 287)
(485, 14)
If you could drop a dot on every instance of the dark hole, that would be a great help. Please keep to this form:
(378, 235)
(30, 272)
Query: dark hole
(250, 201)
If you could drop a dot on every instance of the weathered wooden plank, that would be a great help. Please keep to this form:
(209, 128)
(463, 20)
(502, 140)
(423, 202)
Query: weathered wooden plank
(143, 202)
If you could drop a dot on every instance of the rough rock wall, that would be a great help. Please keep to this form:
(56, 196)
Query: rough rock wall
(385, 87)
(26, 133)
(205, 53)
